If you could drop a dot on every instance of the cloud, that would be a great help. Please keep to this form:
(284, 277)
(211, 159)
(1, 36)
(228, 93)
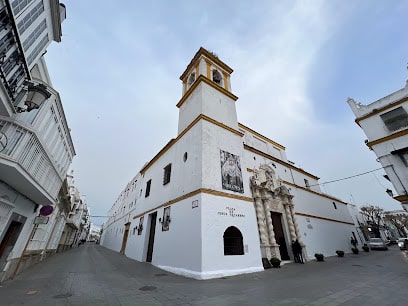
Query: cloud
(117, 71)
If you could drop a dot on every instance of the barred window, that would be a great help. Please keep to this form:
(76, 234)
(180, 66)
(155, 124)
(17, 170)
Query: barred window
(395, 119)
(148, 184)
(233, 242)
(167, 174)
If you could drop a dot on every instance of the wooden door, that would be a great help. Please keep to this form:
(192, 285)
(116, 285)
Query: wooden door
(279, 234)
(153, 218)
(125, 237)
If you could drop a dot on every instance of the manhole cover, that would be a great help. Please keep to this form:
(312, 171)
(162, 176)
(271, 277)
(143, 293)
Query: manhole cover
(62, 296)
(147, 288)
(161, 274)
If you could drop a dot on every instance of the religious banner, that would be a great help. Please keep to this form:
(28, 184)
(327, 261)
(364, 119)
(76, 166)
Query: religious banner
(231, 173)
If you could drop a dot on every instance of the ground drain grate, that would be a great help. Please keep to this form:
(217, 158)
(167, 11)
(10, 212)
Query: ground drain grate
(357, 265)
(147, 288)
(161, 274)
(380, 266)
(62, 296)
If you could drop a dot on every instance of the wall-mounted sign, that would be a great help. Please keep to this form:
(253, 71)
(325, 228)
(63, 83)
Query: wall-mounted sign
(46, 210)
(41, 220)
(230, 211)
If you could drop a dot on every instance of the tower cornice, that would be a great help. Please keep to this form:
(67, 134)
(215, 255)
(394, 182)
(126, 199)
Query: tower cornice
(200, 79)
(209, 55)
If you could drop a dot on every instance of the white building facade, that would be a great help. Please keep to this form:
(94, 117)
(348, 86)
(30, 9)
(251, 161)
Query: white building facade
(36, 148)
(385, 122)
(221, 199)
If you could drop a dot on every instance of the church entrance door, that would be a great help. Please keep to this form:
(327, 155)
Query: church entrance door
(279, 234)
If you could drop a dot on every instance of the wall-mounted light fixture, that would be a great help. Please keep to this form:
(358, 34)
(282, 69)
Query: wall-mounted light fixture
(37, 94)
(389, 192)
(167, 219)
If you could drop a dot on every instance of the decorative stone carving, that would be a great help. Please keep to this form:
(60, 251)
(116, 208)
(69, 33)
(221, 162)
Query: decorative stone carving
(265, 177)
(271, 195)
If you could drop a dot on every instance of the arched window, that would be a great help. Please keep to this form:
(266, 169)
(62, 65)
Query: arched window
(217, 78)
(233, 242)
(191, 79)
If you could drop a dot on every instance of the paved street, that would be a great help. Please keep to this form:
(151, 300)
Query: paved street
(93, 275)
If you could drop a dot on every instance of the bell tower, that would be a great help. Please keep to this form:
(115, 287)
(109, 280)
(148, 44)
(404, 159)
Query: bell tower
(207, 92)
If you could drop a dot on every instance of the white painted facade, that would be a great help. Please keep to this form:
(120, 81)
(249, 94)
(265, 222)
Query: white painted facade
(205, 206)
(36, 148)
(385, 122)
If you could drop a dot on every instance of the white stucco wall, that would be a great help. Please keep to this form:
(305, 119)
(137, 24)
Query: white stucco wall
(216, 218)
(322, 236)
(179, 249)
(311, 204)
(216, 139)
(23, 207)
(208, 101)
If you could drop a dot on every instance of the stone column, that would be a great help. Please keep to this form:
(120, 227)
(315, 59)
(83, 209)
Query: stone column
(274, 247)
(260, 216)
(291, 225)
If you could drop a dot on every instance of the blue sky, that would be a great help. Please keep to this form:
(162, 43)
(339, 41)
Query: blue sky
(295, 63)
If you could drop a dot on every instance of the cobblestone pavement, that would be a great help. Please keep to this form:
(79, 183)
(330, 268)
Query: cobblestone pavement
(94, 275)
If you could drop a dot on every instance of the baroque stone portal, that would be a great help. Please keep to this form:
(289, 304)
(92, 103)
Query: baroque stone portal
(272, 198)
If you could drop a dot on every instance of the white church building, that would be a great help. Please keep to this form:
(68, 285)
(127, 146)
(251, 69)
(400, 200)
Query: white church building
(221, 198)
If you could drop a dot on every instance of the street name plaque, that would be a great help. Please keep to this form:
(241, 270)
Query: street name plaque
(41, 220)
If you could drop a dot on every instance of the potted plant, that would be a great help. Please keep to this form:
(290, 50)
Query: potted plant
(354, 250)
(366, 248)
(275, 262)
(340, 253)
(319, 257)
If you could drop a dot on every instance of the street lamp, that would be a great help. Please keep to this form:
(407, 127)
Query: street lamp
(36, 96)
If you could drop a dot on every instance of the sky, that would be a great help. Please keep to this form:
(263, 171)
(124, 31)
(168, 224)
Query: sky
(295, 64)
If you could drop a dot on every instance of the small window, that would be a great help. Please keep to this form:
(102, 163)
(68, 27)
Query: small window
(167, 174)
(148, 184)
(166, 219)
(307, 184)
(140, 227)
(395, 119)
(185, 156)
(217, 78)
(233, 242)
(334, 205)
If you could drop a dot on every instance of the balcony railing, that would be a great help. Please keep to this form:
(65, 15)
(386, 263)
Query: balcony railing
(24, 148)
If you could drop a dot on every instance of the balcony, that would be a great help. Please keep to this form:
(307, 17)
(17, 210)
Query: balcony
(26, 166)
(73, 220)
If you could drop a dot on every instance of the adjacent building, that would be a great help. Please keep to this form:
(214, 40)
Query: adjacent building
(385, 122)
(36, 148)
(220, 198)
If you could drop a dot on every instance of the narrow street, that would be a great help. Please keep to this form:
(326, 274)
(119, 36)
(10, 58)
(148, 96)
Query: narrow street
(93, 275)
